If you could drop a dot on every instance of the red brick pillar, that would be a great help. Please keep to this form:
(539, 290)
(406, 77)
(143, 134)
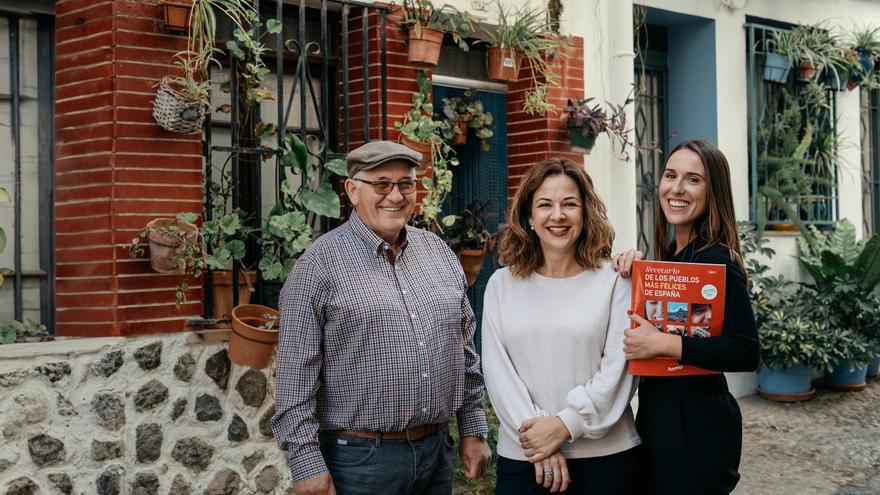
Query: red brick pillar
(532, 138)
(116, 169)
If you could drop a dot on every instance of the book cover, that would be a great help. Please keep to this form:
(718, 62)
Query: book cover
(681, 299)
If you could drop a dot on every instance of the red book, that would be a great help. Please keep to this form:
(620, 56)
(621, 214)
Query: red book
(681, 299)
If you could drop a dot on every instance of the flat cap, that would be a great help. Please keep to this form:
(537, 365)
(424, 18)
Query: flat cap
(375, 153)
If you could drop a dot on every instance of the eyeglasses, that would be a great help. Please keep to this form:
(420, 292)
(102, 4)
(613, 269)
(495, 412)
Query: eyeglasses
(384, 187)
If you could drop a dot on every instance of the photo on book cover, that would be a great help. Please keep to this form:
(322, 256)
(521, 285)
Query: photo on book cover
(684, 299)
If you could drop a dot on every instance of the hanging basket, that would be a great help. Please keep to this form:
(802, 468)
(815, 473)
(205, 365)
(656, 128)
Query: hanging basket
(503, 64)
(579, 142)
(176, 113)
(165, 248)
(424, 51)
(251, 343)
(776, 67)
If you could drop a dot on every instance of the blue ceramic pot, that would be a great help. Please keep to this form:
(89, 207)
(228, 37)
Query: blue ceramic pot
(847, 373)
(795, 379)
(874, 368)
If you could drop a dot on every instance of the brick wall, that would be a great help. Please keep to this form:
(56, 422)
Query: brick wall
(115, 169)
(532, 138)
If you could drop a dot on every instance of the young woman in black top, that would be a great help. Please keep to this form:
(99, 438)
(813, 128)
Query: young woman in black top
(691, 426)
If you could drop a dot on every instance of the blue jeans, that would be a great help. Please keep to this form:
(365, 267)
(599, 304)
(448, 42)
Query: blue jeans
(361, 466)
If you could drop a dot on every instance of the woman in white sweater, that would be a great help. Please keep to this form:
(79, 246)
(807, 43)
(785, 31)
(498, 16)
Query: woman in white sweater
(553, 323)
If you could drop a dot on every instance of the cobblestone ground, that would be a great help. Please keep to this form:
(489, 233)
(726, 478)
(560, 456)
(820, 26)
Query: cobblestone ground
(827, 446)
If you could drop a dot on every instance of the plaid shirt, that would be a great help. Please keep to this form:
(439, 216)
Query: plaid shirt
(373, 342)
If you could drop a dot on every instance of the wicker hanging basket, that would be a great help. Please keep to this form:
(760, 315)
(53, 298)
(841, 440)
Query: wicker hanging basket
(175, 112)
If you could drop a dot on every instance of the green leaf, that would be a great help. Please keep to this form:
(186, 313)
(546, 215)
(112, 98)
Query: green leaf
(187, 217)
(4, 195)
(324, 201)
(237, 248)
(337, 166)
(867, 264)
(230, 224)
(2, 240)
(448, 220)
(271, 270)
(233, 48)
(273, 26)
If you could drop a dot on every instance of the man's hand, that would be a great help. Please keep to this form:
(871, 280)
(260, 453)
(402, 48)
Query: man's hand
(475, 456)
(540, 437)
(321, 484)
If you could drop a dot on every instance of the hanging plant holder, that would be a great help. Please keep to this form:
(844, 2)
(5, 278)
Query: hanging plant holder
(165, 248)
(579, 142)
(423, 148)
(175, 112)
(776, 67)
(424, 46)
(503, 64)
(177, 16)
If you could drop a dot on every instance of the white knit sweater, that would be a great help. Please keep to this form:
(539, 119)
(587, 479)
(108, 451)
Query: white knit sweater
(554, 346)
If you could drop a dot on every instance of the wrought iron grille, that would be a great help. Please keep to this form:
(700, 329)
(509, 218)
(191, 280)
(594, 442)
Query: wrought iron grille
(870, 137)
(810, 193)
(314, 71)
(650, 129)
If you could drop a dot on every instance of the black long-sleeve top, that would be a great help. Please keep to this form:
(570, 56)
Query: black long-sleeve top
(736, 349)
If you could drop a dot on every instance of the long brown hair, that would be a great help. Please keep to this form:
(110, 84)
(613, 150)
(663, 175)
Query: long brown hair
(520, 247)
(717, 226)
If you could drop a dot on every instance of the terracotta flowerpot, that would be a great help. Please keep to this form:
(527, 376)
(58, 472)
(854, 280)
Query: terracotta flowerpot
(165, 248)
(460, 139)
(783, 227)
(503, 64)
(250, 342)
(177, 15)
(423, 148)
(471, 263)
(222, 291)
(806, 70)
(424, 50)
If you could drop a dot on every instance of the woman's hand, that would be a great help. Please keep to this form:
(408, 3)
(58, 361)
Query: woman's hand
(540, 437)
(557, 479)
(647, 341)
(622, 262)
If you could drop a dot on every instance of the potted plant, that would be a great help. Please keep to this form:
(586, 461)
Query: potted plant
(791, 342)
(426, 26)
(809, 47)
(27, 332)
(254, 335)
(586, 122)
(845, 274)
(177, 15)
(864, 43)
(467, 235)
(463, 112)
(175, 247)
(523, 35)
(419, 130)
(777, 66)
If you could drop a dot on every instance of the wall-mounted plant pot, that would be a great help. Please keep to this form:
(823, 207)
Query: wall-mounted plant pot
(424, 50)
(177, 16)
(865, 60)
(783, 227)
(776, 67)
(254, 335)
(423, 148)
(579, 142)
(471, 263)
(806, 70)
(503, 64)
(847, 376)
(459, 139)
(176, 113)
(222, 291)
(873, 368)
(165, 248)
(791, 384)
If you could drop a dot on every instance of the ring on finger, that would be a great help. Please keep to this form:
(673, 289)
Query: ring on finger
(548, 472)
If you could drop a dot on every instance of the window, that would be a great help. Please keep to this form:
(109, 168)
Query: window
(870, 127)
(792, 139)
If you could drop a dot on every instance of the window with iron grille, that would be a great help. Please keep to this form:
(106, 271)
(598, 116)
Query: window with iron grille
(870, 137)
(792, 139)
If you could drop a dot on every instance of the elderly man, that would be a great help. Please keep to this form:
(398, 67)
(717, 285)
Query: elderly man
(376, 350)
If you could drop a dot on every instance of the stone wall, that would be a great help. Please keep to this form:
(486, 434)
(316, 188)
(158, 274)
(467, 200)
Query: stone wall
(152, 415)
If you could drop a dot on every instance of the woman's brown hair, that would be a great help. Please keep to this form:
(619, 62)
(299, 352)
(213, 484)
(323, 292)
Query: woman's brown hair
(717, 226)
(519, 245)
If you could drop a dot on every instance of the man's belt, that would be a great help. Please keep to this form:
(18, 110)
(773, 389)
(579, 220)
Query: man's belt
(411, 434)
